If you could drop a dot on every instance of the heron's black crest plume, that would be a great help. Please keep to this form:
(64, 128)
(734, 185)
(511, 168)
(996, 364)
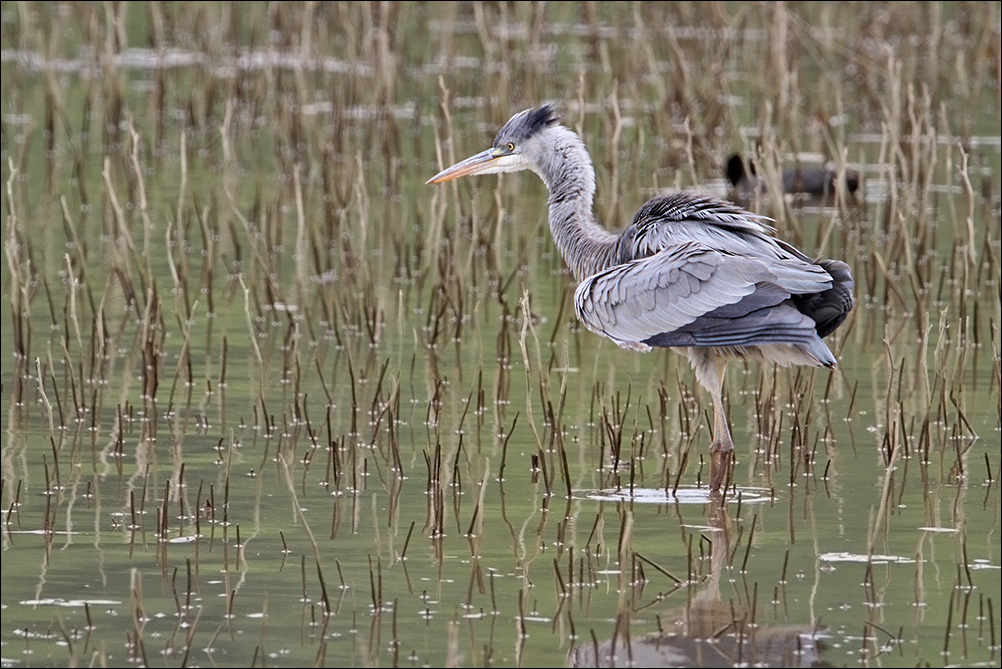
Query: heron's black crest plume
(523, 126)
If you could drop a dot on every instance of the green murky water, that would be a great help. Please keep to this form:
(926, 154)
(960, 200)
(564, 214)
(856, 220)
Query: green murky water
(271, 400)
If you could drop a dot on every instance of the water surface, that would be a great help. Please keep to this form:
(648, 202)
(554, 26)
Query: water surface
(272, 400)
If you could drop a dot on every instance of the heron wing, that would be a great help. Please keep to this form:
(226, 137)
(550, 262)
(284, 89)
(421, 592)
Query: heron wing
(691, 290)
(682, 216)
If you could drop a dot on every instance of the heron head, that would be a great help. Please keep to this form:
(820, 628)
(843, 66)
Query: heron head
(512, 150)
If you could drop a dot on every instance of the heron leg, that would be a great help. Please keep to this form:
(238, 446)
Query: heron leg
(723, 445)
(709, 364)
(710, 371)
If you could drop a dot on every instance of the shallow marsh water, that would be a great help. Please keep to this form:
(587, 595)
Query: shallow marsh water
(270, 400)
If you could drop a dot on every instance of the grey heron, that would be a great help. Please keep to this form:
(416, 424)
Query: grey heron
(808, 180)
(690, 272)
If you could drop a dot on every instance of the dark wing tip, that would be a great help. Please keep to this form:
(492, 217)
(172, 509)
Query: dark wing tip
(830, 307)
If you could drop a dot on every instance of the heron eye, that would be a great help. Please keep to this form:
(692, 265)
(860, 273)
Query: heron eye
(511, 147)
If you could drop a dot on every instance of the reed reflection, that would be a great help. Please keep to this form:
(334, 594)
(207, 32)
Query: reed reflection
(708, 630)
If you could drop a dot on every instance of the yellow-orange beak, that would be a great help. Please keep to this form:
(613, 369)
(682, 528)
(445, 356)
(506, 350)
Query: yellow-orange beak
(485, 162)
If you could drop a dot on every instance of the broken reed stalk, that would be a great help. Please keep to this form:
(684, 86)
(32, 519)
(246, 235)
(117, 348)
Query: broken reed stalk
(476, 521)
(504, 446)
(774, 429)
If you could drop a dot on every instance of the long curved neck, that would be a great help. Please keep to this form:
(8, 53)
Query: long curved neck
(567, 171)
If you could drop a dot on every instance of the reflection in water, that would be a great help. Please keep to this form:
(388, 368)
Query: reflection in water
(708, 631)
(680, 495)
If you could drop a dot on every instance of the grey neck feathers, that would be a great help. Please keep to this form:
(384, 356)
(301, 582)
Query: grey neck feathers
(567, 171)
